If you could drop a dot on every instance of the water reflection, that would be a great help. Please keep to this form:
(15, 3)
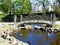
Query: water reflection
(36, 37)
(51, 36)
(57, 39)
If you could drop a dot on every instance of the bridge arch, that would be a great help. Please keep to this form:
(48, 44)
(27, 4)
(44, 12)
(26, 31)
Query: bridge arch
(33, 21)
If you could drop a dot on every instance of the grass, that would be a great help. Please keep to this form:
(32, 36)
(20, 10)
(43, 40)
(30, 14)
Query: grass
(56, 26)
(4, 42)
(5, 27)
(2, 29)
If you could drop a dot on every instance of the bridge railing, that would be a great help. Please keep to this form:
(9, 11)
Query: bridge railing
(35, 17)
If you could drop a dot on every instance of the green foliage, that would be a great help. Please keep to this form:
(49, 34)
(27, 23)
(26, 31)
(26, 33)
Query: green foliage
(58, 11)
(22, 7)
(26, 6)
(56, 26)
(2, 15)
(7, 6)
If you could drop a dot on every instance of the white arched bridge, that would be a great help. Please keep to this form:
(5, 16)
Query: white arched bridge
(16, 24)
(33, 21)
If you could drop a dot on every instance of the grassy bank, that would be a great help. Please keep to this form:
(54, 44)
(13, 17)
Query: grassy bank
(2, 29)
(5, 27)
(56, 26)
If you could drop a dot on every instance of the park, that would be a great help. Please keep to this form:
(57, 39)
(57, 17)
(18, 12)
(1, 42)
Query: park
(29, 22)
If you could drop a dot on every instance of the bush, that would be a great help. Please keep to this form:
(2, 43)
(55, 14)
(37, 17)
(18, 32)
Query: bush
(2, 16)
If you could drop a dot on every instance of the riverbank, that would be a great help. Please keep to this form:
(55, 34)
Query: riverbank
(57, 24)
(8, 26)
(4, 28)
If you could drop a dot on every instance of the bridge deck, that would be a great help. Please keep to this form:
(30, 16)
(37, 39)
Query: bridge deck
(34, 21)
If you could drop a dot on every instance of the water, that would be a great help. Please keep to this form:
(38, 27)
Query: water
(38, 37)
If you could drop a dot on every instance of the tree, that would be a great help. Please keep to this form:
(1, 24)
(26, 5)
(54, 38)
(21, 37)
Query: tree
(26, 6)
(59, 2)
(6, 6)
(44, 4)
(56, 7)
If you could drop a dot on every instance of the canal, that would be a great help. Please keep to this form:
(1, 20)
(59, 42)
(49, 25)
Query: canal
(38, 37)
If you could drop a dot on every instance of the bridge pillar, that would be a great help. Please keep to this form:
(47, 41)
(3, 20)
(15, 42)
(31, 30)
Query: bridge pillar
(15, 21)
(20, 18)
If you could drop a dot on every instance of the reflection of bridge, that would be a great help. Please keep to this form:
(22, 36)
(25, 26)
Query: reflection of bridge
(34, 21)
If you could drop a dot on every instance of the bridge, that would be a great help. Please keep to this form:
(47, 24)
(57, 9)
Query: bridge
(16, 24)
(33, 21)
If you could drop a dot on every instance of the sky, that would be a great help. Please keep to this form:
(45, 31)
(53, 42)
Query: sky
(34, 1)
